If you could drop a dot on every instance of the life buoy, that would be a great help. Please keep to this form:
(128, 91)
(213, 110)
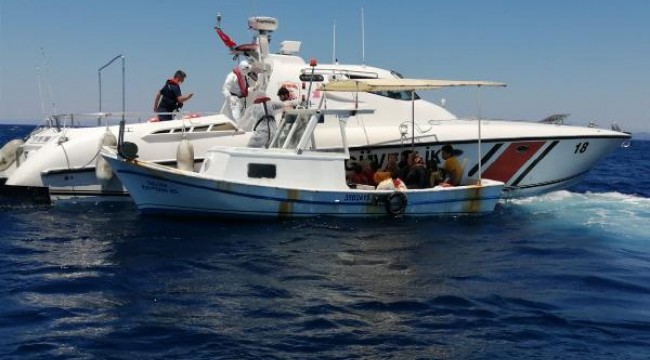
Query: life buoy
(395, 203)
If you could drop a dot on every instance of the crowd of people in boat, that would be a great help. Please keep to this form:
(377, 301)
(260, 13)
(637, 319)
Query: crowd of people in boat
(409, 171)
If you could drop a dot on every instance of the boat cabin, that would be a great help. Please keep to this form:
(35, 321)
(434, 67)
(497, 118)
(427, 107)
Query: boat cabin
(291, 159)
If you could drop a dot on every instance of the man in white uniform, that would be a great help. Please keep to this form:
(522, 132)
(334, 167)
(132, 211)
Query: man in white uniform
(236, 89)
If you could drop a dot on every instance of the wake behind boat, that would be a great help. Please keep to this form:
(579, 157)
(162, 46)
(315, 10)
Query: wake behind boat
(292, 178)
(531, 158)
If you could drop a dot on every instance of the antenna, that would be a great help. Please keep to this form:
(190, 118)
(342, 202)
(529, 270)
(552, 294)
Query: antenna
(363, 40)
(43, 70)
(334, 59)
(40, 90)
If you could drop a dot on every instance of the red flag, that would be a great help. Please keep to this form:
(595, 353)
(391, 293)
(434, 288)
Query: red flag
(225, 38)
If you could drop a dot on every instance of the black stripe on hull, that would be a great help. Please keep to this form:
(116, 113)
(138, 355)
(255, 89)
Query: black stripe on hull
(535, 162)
(485, 158)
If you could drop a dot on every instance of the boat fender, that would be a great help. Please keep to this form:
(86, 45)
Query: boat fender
(395, 203)
(103, 171)
(10, 152)
(185, 156)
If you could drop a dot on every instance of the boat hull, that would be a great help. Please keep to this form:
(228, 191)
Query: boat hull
(528, 166)
(159, 190)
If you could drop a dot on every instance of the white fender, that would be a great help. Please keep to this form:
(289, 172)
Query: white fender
(8, 153)
(103, 171)
(185, 156)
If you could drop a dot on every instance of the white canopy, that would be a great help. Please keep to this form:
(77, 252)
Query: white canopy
(400, 84)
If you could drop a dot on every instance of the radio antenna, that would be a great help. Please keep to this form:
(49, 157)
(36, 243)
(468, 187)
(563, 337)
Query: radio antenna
(334, 59)
(40, 71)
(363, 40)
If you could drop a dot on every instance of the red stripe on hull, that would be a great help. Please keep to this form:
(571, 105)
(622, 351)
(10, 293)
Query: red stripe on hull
(511, 160)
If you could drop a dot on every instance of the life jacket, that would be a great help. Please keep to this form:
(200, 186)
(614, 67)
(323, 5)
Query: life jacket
(241, 81)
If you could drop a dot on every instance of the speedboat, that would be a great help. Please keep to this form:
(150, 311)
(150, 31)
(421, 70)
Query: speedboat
(290, 177)
(529, 157)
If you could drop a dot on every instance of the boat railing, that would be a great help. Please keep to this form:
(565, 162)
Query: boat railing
(296, 129)
(81, 120)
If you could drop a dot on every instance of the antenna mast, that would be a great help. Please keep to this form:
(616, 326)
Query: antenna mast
(363, 40)
(334, 59)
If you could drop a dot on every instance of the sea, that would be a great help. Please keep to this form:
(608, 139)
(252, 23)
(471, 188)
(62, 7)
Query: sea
(565, 275)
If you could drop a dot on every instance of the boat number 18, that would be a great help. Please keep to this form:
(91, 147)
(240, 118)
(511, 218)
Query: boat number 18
(581, 147)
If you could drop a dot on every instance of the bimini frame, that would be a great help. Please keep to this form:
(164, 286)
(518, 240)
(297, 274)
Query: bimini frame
(372, 85)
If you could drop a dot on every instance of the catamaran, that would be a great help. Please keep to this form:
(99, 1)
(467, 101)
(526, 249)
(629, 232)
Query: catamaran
(529, 157)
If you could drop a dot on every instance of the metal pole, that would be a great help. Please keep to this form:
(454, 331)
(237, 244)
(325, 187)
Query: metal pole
(480, 157)
(123, 90)
(363, 39)
(334, 61)
(99, 71)
(413, 120)
(99, 117)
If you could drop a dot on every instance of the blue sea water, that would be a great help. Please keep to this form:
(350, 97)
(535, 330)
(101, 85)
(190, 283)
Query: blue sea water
(559, 276)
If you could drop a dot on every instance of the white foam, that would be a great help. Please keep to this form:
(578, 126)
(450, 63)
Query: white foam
(622, 214)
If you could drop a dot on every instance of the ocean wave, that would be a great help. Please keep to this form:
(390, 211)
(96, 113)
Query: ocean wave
(621, 214)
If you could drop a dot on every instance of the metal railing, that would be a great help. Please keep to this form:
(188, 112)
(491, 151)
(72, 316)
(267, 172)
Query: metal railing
(99, 74)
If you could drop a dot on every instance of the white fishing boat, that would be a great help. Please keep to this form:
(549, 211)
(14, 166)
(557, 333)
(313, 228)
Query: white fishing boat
(293, 178)
(530, 157)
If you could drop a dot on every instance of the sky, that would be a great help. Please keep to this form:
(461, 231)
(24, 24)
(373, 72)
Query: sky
(589, 58)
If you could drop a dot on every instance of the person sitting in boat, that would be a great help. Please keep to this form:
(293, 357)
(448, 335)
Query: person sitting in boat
(392, 182)
(452, 169)
(416, 178)
(370, 168)
(169, 98)
(433, 173)
(357, 176)
(391, 163)
(403, 162)
(236, 88)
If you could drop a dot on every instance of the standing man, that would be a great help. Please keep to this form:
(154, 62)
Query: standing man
(235, 89)
(169, 98)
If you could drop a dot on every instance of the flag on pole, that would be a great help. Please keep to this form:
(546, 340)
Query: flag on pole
(225, 38)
